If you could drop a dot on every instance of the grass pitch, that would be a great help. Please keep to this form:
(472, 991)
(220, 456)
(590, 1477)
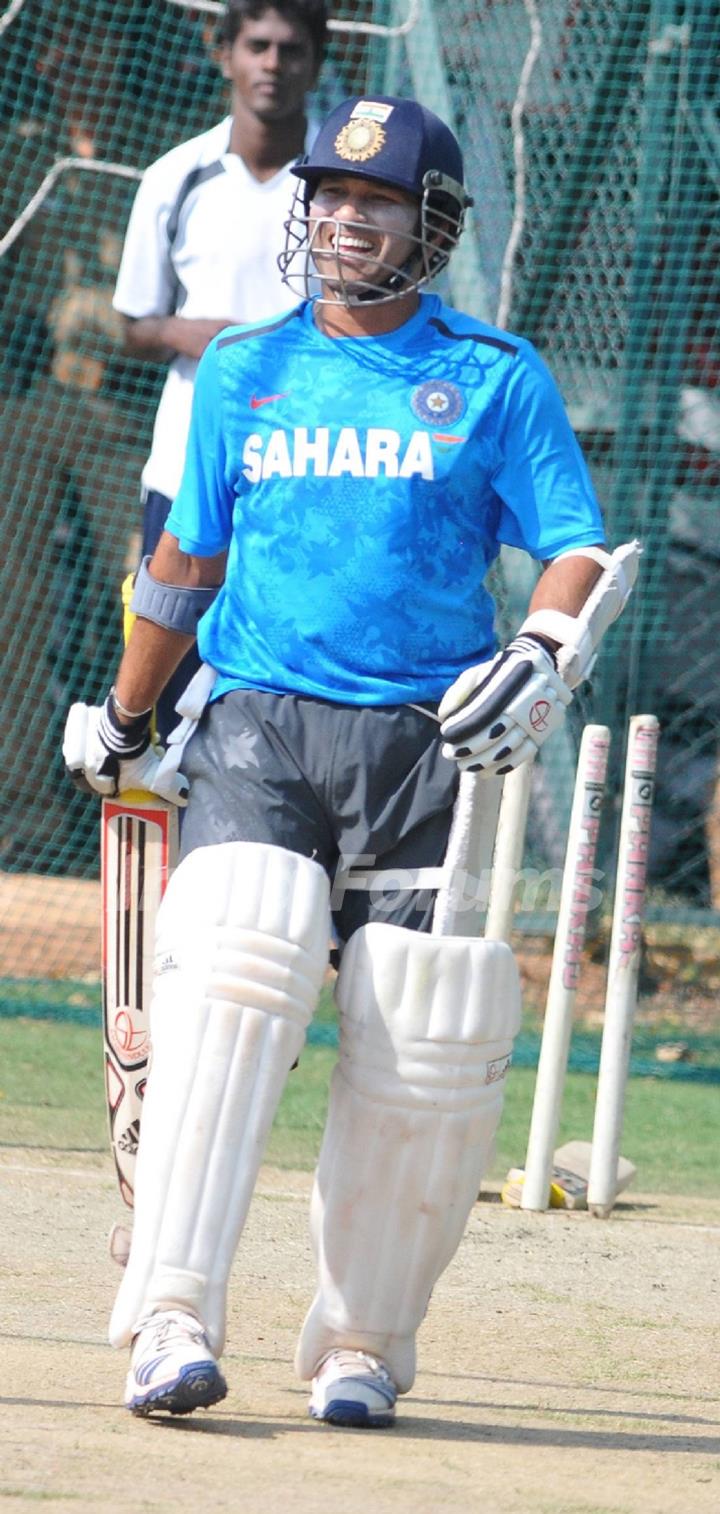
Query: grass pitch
(52, 1097)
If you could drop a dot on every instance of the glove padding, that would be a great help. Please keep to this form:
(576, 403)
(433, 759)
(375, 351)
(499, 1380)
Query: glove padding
(496, 715)
(104, 757)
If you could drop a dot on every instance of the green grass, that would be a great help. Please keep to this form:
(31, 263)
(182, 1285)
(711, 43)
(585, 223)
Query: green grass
(51, 1096)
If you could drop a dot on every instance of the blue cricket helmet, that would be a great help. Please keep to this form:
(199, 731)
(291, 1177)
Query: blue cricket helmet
(391, 141)
(395, 141)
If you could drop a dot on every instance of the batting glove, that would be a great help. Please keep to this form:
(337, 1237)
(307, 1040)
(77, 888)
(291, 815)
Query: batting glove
(496, 715)
(102, 756)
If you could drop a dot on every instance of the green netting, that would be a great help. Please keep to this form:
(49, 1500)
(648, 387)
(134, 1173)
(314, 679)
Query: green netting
(592, 142)
(78, 1003)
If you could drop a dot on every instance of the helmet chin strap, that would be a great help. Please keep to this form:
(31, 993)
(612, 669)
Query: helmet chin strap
(398, 283)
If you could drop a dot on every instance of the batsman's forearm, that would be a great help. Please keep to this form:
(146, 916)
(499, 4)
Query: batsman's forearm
(565, 585)
(149, 661)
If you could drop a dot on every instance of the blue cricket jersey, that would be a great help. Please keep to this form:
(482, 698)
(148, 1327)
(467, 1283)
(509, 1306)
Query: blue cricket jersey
(363, 487)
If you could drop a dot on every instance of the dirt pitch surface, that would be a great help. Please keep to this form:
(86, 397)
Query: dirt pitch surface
(567, 1366)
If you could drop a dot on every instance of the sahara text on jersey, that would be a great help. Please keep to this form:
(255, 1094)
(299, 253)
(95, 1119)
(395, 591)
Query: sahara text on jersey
(303, 452)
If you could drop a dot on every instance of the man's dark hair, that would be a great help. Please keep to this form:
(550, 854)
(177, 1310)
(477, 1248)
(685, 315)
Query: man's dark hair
(312, 14)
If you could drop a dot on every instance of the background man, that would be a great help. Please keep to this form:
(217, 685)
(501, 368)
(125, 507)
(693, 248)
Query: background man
(358, 507)
(207, 226)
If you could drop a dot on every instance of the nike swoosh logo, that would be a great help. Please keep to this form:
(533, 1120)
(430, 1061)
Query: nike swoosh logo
(266, 399)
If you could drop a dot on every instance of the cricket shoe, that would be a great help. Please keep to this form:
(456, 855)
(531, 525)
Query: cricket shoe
(171, 1366)
(353, 1389)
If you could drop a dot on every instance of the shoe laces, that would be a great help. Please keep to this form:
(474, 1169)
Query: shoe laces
(168, 1325)
(355, 1364)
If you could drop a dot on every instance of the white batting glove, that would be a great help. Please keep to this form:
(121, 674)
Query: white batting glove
(105, 757)
(496, 715)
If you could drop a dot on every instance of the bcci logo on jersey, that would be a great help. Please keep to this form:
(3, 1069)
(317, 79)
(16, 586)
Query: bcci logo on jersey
(437, 403)
(378, 452)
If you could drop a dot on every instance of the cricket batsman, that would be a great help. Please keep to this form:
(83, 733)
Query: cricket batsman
(352, 469)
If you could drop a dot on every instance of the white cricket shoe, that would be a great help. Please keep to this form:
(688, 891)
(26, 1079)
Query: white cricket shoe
(353, 1389)
(172, 1366)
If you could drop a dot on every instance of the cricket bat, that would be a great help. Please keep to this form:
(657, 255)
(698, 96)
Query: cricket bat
(139, 844)
(138, 849)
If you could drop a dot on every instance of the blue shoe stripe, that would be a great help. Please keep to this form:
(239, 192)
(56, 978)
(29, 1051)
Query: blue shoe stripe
(147, 1368)
(348, 1412)
(386, 1390)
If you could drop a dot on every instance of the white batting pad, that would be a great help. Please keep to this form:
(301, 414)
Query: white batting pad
(427, 1025)
(242, 948)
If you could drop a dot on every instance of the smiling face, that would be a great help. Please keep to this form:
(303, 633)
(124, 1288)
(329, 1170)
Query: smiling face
(360, 232)
(272, 63)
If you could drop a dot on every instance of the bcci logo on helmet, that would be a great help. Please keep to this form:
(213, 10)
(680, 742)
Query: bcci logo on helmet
(359, 141)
